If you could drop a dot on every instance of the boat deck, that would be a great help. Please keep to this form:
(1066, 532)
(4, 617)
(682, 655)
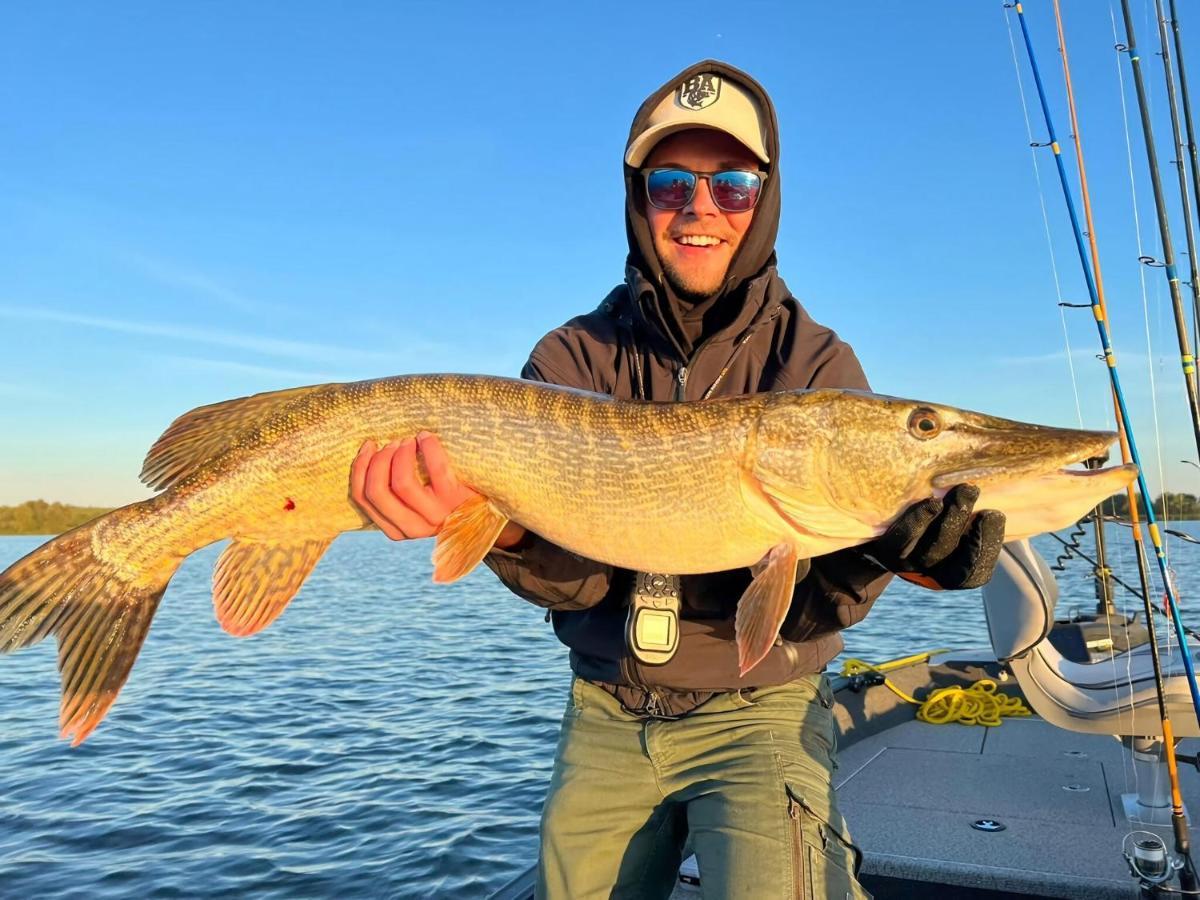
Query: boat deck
(911, 791)
(911, 794)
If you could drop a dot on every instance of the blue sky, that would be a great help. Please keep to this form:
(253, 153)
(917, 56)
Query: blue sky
(204, 201)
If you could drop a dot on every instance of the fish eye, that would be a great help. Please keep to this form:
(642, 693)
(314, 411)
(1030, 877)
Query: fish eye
(924, 424)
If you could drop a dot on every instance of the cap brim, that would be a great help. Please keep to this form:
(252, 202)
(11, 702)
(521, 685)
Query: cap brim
(637, 152)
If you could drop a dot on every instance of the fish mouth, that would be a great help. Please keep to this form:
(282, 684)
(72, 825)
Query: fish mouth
(1029, 452)
(1031, 476)
(982, 475)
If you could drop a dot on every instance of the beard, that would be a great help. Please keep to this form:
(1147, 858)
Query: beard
(691, 289)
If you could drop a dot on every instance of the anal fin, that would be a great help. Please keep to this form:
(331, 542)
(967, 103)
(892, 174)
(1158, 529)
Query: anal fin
(764, 606)
(254, 581)
(465, 539)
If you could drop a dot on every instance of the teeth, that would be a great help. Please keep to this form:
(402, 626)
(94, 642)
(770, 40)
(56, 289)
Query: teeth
(699, 240)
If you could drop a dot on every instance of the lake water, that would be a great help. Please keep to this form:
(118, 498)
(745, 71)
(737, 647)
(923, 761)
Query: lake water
(385, 738)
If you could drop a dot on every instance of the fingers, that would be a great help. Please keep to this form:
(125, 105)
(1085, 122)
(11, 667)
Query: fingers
(385, 486)
(370, 489)
(898, 541)
(945, 532)
(417, 497)
(442, 480)
(358, 490)
(973, 563)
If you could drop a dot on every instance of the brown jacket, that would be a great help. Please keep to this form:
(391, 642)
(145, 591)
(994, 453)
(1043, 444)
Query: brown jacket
(618, 350)
(755, 337)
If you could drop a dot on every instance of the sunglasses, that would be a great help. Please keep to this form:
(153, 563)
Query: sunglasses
(733, 190)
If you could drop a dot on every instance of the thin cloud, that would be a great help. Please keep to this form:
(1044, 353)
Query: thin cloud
(200, 364)
(1077, 355)
(177, 276)
(268, 346)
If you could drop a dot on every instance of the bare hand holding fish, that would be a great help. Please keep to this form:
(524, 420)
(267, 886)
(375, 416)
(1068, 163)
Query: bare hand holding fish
(384, 484)
(666, 487)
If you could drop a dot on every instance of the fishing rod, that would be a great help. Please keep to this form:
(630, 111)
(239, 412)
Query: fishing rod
(1179, 824)
(1189, 231)
(1164, 226)
(1194, 166)
(1127, 455)
(1073, 550)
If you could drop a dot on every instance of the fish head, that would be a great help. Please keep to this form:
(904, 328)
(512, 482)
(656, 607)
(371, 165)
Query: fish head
(845, 464)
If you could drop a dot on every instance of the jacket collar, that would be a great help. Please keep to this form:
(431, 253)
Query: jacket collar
(646, 309)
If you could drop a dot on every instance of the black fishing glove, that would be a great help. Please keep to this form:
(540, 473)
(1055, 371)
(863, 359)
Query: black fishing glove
(938, 544)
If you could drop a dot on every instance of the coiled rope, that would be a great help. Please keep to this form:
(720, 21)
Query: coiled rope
(980, 704)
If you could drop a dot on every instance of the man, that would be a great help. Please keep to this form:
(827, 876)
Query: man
(663, 737)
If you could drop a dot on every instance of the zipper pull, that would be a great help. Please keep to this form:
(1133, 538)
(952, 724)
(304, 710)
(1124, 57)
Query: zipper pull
(653, 706)
(681, 377)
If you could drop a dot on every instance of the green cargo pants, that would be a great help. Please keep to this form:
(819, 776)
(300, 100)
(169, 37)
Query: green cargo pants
(747, 775)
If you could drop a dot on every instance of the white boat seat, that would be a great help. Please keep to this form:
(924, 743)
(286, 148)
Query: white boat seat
(1113, 696)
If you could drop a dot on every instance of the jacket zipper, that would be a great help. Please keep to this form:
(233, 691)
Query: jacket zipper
(654, 705)
(682, 375)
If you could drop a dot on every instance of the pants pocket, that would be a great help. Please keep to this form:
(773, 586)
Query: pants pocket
(825, 861)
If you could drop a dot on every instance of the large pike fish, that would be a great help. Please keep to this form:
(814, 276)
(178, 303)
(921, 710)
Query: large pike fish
(658, 487)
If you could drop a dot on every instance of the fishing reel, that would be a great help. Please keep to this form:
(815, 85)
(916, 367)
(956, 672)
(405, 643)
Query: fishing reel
(1147, 856)
(1150, 863)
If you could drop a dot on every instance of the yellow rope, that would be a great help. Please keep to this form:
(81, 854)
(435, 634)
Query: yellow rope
(980, 704)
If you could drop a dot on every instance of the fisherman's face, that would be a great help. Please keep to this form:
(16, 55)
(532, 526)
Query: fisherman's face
(697, 270)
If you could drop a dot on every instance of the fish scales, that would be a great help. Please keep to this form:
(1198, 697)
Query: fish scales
(664, 487)
(583, 471)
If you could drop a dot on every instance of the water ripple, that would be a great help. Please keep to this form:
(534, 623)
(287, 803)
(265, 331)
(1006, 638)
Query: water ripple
(386, 738)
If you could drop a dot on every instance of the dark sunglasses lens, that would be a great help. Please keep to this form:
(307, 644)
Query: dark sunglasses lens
(736, 191)
(670, 188)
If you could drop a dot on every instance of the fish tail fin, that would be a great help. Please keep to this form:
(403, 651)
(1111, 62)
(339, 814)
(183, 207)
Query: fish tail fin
(76, 588)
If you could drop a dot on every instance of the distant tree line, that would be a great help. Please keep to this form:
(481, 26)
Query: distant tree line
(1168, 506)
(40, 517)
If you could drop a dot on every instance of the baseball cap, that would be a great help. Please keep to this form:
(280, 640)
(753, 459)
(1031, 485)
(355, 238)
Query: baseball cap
(703, 100)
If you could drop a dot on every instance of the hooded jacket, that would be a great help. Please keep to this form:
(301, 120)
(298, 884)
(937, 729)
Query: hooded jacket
(756, 338)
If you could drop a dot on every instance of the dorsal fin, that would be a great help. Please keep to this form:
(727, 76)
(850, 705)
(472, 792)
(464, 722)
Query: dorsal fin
(197, 436)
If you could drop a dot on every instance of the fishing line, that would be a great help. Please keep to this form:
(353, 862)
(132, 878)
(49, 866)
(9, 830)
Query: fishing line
(1101, 301)
(1150, 354)
(1037, 177)
(1193, 165)
(1137, 227)
(1187, 875)
(1187, 362)
(1182, 838)
(1180, 167)
(1101, 572)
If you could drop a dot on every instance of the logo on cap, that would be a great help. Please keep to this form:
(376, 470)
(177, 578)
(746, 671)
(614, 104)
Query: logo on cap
(700, 91)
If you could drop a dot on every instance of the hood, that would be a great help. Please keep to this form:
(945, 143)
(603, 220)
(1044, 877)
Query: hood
(757, 251)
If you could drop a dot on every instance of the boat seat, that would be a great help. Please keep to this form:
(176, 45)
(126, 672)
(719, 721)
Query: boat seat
(1113, 696)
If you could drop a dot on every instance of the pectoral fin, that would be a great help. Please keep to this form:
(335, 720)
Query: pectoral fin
(465, 539)
(764, 606)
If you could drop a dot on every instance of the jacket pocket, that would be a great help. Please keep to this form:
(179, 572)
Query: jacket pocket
(825, 862)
